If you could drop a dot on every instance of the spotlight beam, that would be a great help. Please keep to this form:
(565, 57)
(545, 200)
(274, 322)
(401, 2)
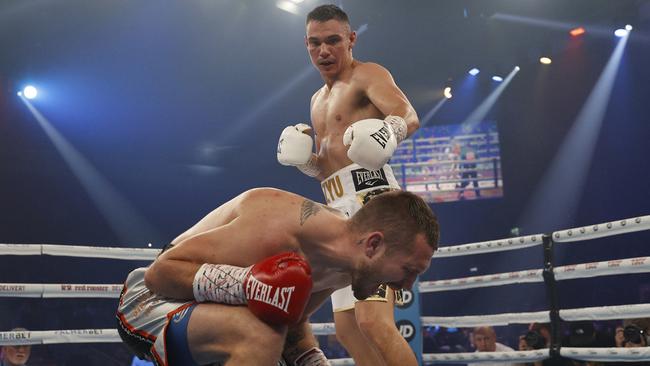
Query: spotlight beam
(427, 117)
(482, 110)
(551, 24)
(244, 123)
(122, 217)
(561, 187)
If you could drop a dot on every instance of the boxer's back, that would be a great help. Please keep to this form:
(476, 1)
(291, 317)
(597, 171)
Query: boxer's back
(260, 223)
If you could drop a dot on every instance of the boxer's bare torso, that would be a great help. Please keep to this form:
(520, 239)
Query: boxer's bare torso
(334, 108)
(254, 226)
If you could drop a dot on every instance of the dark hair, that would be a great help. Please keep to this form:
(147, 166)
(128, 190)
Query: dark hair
(400, 215)
(324, 13)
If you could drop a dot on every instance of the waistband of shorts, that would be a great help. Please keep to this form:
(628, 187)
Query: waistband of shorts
(354, 179)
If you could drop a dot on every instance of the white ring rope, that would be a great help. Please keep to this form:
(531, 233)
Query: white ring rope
(603, 354)
(79, 251)
(601, 230)
(607, 354)
(95, 335)
(111, 336)
(584, 270)
(605, 268)
(568, 272)
(592, 313)
(470, 321)
(465, 357)
(519, 242)
(498, 279)
(60, 336)
(60, 290)
(629, 311)
(582, 233)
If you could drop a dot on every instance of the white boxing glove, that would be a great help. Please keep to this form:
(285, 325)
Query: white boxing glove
(373, 141)
(295, 149)
(295, 145)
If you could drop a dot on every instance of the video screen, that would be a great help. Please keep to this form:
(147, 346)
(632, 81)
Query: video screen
(446, 163)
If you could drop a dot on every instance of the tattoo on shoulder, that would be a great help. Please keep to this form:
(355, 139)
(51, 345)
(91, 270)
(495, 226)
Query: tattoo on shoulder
(307, 209)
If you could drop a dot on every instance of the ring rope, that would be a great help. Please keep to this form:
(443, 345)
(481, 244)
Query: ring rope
(470, 321)
(607, 354)
(628, 311)
(519, 242)
(584, 270)
(568, 272)
(111, 336)
(602, 230)
(94, 335)
(569, 235)
(60, 290)
(605, 268)
(465, 357)
(498, 279)
(79, 251)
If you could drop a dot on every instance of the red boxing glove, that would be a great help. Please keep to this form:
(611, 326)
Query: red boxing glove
(277, 288)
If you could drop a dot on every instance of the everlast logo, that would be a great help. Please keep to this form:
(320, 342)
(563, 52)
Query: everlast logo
(278, 297)
(381, 136)
(364, 178)
(332, 189)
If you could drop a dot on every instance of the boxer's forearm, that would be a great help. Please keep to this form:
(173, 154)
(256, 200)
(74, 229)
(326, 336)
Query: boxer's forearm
(412, 120)
(299, 340)
(171, 278)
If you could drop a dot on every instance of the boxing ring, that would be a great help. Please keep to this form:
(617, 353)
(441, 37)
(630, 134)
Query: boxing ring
(549, 275)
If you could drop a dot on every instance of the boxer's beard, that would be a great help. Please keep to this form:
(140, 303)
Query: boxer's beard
(362, 287)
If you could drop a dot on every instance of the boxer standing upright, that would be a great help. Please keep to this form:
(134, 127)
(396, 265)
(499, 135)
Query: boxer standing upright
(359, 116)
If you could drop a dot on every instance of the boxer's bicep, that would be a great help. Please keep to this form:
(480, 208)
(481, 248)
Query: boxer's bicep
(383, 93)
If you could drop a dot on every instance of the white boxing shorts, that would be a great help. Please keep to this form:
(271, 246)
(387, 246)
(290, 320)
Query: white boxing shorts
(143, 318)
(348, 190)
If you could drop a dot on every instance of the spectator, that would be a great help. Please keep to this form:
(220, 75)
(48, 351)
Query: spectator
(15, 355)
(484, 339)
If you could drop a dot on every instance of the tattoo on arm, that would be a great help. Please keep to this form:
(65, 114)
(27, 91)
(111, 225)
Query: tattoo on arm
(307, 209)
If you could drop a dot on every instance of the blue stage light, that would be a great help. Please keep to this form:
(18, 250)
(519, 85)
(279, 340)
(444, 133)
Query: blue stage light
(474, 71)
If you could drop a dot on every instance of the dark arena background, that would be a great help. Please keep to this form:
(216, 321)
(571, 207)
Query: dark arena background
(149, 114)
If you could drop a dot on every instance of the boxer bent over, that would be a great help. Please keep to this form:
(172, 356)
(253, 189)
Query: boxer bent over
(359, 116)
(239, 286)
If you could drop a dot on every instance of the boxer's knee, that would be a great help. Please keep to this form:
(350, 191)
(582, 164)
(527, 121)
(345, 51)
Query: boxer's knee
(260, 345)
(218, 332)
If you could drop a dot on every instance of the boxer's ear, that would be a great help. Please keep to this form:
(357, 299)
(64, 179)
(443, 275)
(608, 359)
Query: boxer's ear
(374, 244)
(353, 39)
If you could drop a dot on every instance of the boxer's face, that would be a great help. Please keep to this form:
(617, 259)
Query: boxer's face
(398, 269)
(330, 46)
(17, 355)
